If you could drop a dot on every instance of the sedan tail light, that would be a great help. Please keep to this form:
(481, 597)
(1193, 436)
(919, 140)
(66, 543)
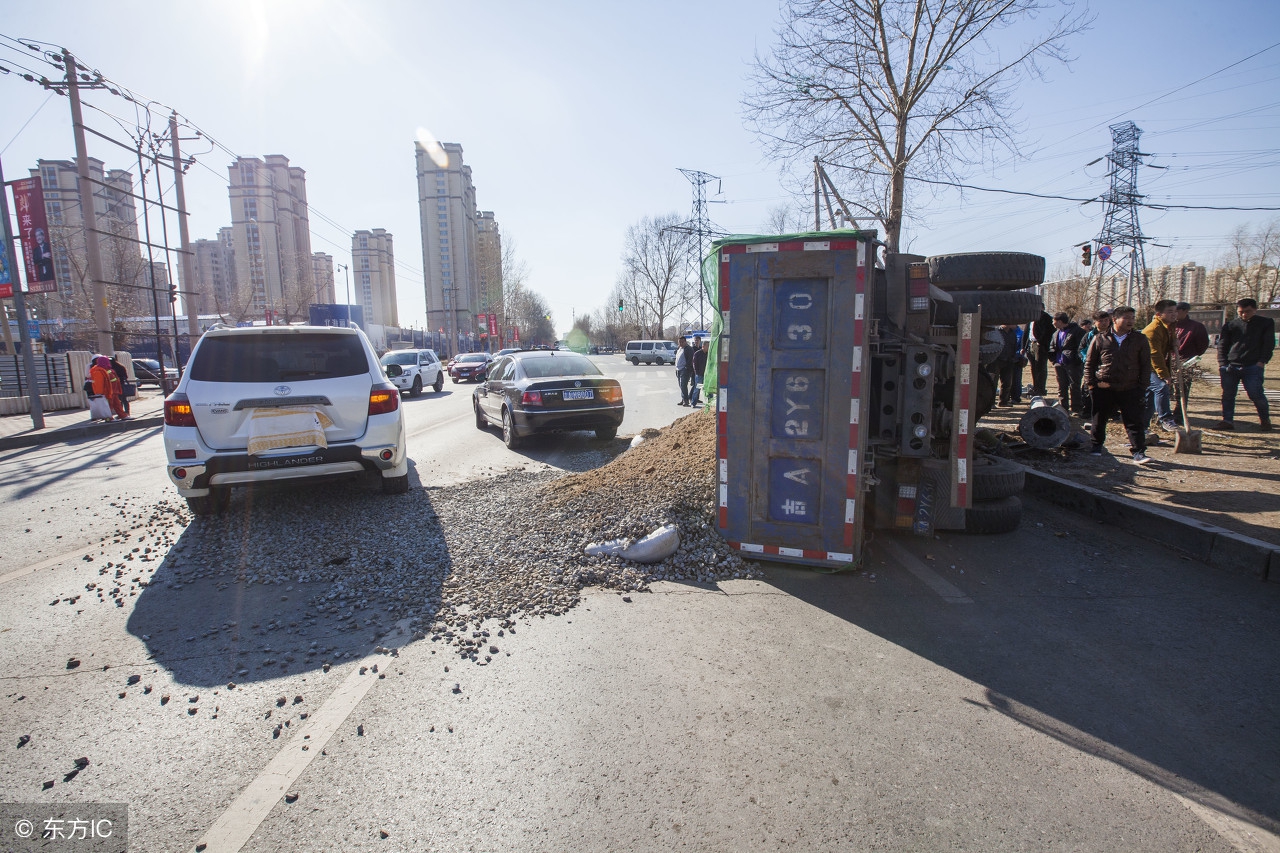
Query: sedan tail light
(384, 399)
(531, 398)
(610, 393)
(177, 411)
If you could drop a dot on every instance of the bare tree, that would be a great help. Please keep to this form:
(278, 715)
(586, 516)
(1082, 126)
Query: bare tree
(656, 274)
(787, 218)
(882, 88)
(1249, 267)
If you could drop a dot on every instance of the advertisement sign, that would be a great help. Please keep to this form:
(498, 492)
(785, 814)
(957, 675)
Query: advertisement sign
(493, 324)
(6, 277)
(515, 334)
(33, 231)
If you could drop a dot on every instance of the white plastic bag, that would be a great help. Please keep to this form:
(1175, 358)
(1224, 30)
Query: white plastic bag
(99, 409)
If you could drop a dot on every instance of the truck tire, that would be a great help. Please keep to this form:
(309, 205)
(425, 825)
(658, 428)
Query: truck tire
(986, 271)
(999, 516)
(998, 307)
(992, 478)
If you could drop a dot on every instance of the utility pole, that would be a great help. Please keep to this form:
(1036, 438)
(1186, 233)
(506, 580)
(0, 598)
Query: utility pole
(101, 317)
(188, 262)
(19, 303)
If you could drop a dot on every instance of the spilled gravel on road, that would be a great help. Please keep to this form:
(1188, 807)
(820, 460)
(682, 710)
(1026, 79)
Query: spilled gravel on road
(455, 561)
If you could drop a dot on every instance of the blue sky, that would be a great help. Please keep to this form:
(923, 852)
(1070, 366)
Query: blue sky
(575, 116)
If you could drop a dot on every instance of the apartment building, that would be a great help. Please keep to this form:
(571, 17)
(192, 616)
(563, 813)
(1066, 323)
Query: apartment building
(322, 270)
(447, 214)
(271, 235)
(373, 269)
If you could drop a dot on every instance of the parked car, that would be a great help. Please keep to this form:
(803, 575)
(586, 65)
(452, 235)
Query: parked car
(545, 391)
(506, 351)
(411, 370)
(470, 366)
(266, 403)
(147, 372)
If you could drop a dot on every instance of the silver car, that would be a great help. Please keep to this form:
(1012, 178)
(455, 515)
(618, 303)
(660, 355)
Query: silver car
(267, 403)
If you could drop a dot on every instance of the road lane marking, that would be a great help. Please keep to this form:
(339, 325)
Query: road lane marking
(77, 554)
(235, 826)
(950, 593)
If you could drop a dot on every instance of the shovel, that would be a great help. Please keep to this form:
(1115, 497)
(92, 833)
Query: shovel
(1186, 439)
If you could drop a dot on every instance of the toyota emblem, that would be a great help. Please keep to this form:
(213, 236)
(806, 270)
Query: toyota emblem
(283, 390)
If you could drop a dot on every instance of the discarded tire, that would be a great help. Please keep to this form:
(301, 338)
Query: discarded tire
(999, 516)
(986, 271)
(1044, 426)
(998, 307)
(992, 478)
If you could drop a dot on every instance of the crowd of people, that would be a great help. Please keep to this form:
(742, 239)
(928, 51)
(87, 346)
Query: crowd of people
(1103, 367)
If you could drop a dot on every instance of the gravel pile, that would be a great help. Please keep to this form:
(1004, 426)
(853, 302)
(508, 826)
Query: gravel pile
(462, 563)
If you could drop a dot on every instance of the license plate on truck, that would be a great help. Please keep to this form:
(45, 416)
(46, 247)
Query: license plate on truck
(584, 394)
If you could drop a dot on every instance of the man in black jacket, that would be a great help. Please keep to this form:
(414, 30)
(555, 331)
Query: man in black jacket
(1064, 355)
(1244, 348)
(1039, 334)
(1117, 371)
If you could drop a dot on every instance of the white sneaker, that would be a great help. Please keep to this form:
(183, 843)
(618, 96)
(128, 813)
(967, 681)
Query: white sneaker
(1141, 458)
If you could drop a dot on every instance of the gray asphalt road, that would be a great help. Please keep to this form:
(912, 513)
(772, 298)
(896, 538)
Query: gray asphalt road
(1063, 687)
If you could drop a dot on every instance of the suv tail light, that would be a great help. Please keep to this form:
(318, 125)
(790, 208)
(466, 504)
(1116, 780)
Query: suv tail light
(531, 398)
(383, 399)
(177, 411)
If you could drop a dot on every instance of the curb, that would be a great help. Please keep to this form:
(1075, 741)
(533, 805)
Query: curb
(78, 431)
(1223, 549)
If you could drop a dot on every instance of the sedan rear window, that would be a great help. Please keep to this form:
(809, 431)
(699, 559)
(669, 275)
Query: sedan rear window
(278, 358)
(560, 365)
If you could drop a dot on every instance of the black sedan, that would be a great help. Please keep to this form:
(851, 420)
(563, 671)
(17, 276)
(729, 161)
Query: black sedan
(546, 391)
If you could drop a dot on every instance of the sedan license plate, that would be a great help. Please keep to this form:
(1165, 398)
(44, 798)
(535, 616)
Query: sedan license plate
(583, 394)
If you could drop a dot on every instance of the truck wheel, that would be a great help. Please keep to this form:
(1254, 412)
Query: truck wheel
(998, 307)
(986, 271)
(993, 478)
(1000, 516)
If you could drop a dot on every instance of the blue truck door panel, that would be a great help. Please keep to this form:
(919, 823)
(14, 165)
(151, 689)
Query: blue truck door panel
(789, 414)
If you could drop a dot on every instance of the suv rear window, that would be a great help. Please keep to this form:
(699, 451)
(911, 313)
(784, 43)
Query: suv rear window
(278, 358)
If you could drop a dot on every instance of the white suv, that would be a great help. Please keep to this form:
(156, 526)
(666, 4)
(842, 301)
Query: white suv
(265, 403)
(411, 370)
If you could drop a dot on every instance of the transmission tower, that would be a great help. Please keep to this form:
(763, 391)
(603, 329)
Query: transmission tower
(701, 227)
(1120, 228)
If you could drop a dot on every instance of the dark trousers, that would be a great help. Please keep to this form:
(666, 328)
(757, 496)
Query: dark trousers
(685, 377)
(1039, 376)
(1008, 375)
(1130, 403)
(1251, 375)
(1069, 376)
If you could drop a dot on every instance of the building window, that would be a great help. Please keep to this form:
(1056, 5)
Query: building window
(364, 241)
(49, 177)
(55, 212)
(247, 174)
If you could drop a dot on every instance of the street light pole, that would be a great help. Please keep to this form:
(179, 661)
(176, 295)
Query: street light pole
(346, 276)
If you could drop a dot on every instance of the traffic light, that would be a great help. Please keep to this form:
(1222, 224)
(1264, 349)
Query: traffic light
(1086, 254)
(173, 293)
(619, 304)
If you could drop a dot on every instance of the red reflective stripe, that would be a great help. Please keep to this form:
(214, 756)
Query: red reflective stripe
(724, 517)
(844, 244)
(851, 485)
(855, 389)
(737, 249)
(791, 246)
(722, 447)
(848, 536)
(722, 423)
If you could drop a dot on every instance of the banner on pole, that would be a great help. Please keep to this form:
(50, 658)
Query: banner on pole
(33, 231)
(6, 276)
(493, 324)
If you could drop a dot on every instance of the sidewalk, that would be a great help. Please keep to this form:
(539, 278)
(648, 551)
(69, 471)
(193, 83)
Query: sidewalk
(73, 424)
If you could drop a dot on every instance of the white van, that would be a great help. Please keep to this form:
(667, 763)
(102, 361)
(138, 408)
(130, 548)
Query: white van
(650, 352)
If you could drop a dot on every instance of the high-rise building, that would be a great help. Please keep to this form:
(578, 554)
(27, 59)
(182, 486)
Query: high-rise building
(272, 239)
(373, 267)
(322, 269)
(489, 262)
(447, 211)
(215, 274)
(123, 261)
